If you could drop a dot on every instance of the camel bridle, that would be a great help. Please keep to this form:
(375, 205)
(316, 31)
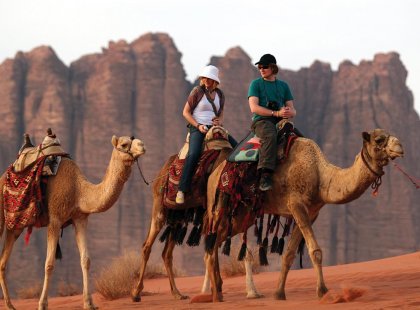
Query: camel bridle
(378, 180)
(127, 151)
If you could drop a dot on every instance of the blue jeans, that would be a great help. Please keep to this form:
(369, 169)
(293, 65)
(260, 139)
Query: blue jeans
(193, 156)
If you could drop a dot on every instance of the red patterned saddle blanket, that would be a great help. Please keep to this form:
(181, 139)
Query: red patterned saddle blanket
(199, 181)
(22, 197)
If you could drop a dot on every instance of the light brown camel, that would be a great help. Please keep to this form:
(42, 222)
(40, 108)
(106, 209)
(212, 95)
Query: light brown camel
(158, 220)
(302, 186)
(70, 196)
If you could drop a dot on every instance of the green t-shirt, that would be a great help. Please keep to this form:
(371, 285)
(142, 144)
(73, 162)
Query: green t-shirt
(277, 92)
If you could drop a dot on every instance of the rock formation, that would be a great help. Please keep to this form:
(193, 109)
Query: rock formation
(140, 88)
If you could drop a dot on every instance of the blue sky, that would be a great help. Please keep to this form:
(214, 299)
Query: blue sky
(297, 32)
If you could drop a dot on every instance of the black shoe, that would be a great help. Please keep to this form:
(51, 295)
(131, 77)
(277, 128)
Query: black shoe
(266, 182)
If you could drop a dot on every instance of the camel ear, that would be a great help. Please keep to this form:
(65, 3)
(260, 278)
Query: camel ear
(114, 140)
(366, 136)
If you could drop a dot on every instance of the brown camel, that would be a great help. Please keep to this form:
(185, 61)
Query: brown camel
(158, 220)
(303, 184)
(71, 197)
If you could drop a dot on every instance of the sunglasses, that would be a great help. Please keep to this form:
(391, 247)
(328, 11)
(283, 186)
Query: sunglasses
(263, 67)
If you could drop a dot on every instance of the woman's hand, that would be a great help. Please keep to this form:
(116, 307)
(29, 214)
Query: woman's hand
(203, 128)
(216, 121)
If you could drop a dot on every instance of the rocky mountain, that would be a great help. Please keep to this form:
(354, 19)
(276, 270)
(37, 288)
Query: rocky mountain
(140, 88)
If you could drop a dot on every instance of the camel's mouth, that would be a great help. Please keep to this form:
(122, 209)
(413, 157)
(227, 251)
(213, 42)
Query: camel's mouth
(394, 148)
(139, 153)
(394, 153)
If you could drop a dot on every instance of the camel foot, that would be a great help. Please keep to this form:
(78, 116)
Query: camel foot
(10, 306)
(321, 291)
(136, 298)
(202, 298)
(280, 295)
(254, 295)
(180, 296)
(43, 307)
(218, 297)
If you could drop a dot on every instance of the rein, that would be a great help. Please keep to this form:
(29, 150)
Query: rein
(378, 181)
(412, 179)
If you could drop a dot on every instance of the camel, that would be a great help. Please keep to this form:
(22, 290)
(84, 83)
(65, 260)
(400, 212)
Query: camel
(71, 197)
(303, 184)
(158, 220)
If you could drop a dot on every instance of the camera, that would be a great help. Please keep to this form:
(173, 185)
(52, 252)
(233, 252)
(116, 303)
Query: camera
(272, 105)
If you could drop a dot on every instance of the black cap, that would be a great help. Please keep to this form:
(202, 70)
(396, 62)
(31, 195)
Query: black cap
(267, 59)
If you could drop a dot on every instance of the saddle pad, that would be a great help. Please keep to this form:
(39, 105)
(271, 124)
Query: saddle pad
(246, 150)
(199, 180)
(23, 198)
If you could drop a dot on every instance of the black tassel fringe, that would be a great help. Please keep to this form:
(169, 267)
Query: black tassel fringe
(181, 235)
(274, 244)
(193, 236)
(263, 256)
(210, 242)
(280, 246)
(226, 247)
(242, 252)
(265, 243)
(165, 234)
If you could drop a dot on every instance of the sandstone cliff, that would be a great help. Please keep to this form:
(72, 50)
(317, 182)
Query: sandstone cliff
(140, 88)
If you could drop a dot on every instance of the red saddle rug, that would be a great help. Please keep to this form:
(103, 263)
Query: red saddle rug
(22, 197)
(199, 181)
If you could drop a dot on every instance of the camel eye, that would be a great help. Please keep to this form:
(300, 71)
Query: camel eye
(380, 139)
(124, 145)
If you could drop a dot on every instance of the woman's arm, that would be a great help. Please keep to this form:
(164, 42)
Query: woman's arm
(190, 119)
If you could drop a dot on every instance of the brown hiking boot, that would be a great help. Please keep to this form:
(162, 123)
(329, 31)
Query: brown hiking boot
(266, 182)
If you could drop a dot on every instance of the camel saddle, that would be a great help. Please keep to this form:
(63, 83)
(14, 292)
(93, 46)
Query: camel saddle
(28, 156)
(248, 149)
(216, 139)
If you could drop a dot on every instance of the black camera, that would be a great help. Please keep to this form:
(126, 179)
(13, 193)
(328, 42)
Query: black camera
(272, 105)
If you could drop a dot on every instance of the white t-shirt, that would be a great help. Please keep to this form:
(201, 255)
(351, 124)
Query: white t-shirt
(203, 112)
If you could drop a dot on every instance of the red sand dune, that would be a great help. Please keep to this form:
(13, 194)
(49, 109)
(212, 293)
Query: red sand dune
(392, 283)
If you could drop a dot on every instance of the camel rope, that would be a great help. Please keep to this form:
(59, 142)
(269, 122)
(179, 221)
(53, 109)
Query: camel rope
(413, 180)
(144, 179)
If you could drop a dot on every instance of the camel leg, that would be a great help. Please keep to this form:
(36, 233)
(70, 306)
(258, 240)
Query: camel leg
(10, 238)
(155, 227)
(168, 260)
(206, 283)
(80, 225)
(303, 221)
(52, 239)
(287, 261)
(250, 286)
(217, 270)
(209, 259)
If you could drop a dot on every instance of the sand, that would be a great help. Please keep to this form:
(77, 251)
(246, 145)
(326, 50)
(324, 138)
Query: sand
(391, 283)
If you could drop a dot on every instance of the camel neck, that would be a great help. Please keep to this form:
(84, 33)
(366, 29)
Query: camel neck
(348, 184)
(100, 197)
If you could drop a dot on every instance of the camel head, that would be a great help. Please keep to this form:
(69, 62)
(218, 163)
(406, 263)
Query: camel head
(380, 146)
(129, 148)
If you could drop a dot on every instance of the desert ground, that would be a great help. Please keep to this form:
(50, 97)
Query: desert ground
(391, 283)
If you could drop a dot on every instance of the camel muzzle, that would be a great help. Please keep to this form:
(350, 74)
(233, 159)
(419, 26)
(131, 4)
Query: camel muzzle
(394, 148)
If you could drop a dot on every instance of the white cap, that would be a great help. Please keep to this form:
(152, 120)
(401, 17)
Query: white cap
(210, 72)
